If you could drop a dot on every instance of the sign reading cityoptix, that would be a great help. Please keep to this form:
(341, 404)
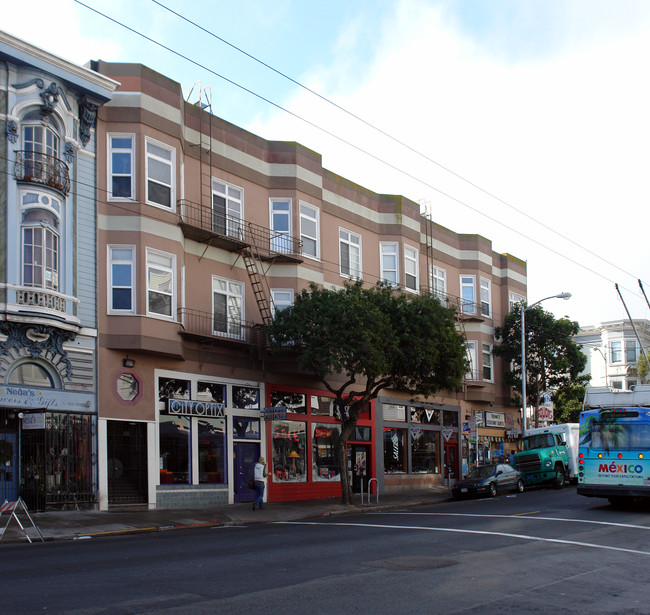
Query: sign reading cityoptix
(190, 407)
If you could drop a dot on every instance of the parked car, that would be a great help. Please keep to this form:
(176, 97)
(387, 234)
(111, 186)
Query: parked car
(489, 480)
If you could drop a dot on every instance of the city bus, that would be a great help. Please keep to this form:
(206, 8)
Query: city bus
(614, 444)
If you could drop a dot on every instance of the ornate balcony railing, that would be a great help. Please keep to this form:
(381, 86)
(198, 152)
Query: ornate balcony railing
(41, 300)
(42, 169)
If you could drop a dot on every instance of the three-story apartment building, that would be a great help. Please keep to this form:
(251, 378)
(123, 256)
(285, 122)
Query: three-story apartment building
(205, 229)
(48, 307)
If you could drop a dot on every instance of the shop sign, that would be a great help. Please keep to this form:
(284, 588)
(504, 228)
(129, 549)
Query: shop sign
(447, 433)
(478, 417)
(495, 419)
(191, 407)
(34, 421)
(275, 413)
(322, 432)
(46, 399)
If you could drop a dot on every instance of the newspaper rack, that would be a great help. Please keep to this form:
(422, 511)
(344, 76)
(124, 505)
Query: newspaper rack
(13, 508)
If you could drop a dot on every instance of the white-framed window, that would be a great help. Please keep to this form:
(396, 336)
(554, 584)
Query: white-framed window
(161, 284)
(227, 308)
(227, 208)
(121, 166)
(438, 282)
(410, 268)
(514, 299)
(468, 294)
(389, 262)
(39, 139)
(121, 279)
(616, 351)
(282, 298)
(486, 297)
(487, 361)
(472, 357)
(350, 253)
(41, 145)
(630, 351)
(310, 230)
(280, 221)
(161, 173)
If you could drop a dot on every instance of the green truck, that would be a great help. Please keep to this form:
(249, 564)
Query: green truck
(548, 455)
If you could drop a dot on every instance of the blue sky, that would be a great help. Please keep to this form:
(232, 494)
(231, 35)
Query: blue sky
(543, 105)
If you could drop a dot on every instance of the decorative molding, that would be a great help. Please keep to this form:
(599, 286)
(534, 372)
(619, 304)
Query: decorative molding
(87, 118)
(69, 152)
(38, 341)
(20, 86)
(12, 131)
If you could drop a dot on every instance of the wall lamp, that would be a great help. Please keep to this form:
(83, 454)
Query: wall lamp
(128, 362)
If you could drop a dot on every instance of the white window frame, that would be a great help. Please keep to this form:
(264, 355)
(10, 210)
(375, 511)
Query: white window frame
(151, 253)
(50, 278)
(111, 173)
(486, 297)
(232, 290)
(152, 157)
(487, 362)
(353, 242)
(411, 269)
(618, 351)
(389, 250)
(310, 215)
(281, 298)
(467, 306)
(233, 208)
(471, 348)
(280, 209)
(514, 299)
(438, 282)
(631, 343)
(111, 261)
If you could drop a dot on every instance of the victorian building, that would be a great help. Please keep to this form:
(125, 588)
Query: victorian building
(48, 281)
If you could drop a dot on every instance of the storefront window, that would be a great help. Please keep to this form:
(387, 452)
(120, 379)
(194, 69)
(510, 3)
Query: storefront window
(173, 388)
(174, 449)
(212, 450)
(246, 428)
(394, 450)
(449, 418)
(394, 412)
(246, 398)
(425, 455)
(428, 416)
(323, 406)
(325, 467)
(293, 402)
(211, 391)
(289, 441)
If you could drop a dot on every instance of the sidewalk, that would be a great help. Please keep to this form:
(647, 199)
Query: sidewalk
(87, 524)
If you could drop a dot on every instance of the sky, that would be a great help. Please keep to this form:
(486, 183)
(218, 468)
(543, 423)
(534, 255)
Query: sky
(525, 122)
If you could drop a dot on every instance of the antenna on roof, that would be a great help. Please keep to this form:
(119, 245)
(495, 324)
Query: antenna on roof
(203, 96)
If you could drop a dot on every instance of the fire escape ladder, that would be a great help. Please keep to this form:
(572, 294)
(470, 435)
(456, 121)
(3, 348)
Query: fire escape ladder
(259, 282)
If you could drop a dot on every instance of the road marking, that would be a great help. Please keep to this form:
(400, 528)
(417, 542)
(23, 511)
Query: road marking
(611, 523)
(464, 531)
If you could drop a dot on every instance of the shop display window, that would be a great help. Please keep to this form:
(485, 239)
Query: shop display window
(174, 449)
(212, 450)
(394, 412)
(325, 467)
(323, 406)
(211, 391)
(428, 416)
(425, 452)
(245, 428)
(394, 450)
(294, 402)
(173, 388)
(245, 398)
(289, 451)
(361, 434)
(449, 418)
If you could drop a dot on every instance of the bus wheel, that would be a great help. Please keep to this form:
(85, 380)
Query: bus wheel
(558, 483)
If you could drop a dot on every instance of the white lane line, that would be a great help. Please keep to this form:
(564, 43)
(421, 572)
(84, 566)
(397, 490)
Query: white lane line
(463, 531)
(519, 516)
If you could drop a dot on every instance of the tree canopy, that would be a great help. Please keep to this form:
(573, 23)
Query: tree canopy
(359, 340)
(553, 360)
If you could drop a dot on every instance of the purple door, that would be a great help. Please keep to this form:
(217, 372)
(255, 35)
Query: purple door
(245, 455)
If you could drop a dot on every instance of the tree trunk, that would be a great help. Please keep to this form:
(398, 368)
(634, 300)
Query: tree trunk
(348, 423)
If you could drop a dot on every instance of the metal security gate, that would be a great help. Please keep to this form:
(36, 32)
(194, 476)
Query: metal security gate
(127, 463)
(8, 467)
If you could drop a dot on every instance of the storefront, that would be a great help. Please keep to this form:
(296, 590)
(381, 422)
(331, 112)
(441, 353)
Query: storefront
(488, 437)
(302, 431)
(420, 444)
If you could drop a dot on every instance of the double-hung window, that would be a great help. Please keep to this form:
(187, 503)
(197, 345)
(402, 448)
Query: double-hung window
(616, 352)
(121, 154)
(121, 283)
(438, 282)
(389, 268)
(227, 209)
(486, 297)
(472, 358)
(161, 283)
(280, 214)
(282, 298)
(630, 351)
(161, 162)
(514, 299)
(468, 294)
(350, 253)
(487, 362)
(227, 307)
(310, 230)
(410, 268)
(41, 240)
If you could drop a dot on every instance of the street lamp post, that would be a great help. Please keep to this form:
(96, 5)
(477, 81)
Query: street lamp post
(523, 353)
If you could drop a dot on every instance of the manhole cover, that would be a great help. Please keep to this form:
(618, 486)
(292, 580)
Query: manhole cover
(412, 563)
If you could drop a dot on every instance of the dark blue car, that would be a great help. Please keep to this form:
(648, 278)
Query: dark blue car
(489, 480)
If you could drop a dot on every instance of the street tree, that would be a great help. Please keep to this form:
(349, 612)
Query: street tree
(642, 367)
(553, 360)
(567, 403)
(359, 340)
